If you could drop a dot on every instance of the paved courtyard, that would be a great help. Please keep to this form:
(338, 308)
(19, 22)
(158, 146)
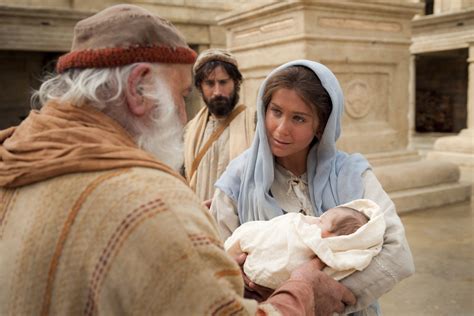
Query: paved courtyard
(441, 240)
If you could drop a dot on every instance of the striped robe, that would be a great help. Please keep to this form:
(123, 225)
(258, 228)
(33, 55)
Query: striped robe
(125, 241)
(90, 224)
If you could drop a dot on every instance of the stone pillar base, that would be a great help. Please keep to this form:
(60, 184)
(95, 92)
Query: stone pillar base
(413, 182)
(458, 150)
(414, 185)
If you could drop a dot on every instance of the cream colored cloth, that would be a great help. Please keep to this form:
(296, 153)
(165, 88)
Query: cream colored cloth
(291, 191)
(278, 246)
(232, 142)
(393, 263)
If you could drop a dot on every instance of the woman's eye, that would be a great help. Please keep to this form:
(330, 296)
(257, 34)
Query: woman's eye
(299, 119)
(276, 112)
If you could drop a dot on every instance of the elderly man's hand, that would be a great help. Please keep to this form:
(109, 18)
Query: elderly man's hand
(252, 290)
(329, 295)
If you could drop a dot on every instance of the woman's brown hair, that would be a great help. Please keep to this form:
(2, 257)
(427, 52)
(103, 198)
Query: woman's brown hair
(308, 87)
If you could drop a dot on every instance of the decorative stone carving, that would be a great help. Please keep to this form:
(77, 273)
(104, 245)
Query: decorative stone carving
(358, 101)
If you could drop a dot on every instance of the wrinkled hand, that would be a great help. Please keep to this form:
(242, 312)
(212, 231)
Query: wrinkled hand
(207, 203)
(252, 290)
(329, 295)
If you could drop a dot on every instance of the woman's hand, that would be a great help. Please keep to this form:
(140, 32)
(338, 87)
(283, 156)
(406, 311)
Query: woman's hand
(252, 290)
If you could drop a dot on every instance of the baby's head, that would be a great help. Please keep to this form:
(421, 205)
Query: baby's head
(341, 220)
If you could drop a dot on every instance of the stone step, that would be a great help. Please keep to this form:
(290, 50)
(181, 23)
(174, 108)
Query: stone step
(422, 184)
(392, 157)
(433, 196)
(416, 174)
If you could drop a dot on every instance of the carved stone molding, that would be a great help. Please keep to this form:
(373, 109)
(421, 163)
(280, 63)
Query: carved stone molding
(265, 28)
(360, 24)
(358, 101)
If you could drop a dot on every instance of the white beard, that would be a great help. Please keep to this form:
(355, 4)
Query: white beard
(163, 138)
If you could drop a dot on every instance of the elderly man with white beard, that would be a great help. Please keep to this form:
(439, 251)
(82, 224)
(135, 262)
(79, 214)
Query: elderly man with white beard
(93, 218)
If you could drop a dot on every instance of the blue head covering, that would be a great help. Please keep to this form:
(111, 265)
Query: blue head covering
(334, 177)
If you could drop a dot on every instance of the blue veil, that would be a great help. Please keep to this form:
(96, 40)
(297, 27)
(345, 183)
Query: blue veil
(334, 177)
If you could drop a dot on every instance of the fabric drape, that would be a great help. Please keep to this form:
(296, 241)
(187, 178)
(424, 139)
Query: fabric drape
(64, 138)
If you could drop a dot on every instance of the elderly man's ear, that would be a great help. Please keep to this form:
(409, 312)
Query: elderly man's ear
(140, 77)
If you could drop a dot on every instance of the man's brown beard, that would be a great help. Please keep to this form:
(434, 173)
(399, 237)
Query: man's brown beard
(221, 106)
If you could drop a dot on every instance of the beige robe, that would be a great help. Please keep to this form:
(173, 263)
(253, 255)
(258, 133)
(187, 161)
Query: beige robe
(90, 224)
(232, 142)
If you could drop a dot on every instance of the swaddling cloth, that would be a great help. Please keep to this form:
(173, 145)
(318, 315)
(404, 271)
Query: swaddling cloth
(276, 247)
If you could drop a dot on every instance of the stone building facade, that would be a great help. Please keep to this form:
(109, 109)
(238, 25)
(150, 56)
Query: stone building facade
(443, 66)
(34, 33)
(395, 61)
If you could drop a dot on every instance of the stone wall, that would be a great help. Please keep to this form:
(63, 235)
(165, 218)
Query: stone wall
(31, 28)
(20, 73)
(446, 6)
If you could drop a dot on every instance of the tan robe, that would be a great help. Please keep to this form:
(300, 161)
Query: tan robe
(84, 231)
(232, 142)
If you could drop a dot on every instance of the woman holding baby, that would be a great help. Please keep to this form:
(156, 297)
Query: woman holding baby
(293, 166)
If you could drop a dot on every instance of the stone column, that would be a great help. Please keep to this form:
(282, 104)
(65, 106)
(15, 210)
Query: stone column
(412, 101)
(459, 149)
(366, 44)
(470, 89)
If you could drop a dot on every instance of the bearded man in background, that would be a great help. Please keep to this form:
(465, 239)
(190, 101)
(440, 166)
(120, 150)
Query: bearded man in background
(93, 218)
(222, 129)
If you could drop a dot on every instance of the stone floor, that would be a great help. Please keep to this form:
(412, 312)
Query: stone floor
(441, 240)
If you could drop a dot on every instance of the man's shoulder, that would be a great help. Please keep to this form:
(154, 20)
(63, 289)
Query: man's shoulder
(127, 178)
(144, 174)
(140, 185)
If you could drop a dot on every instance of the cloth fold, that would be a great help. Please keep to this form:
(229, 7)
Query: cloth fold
(276, 247)
(241, 132)
(64, 138)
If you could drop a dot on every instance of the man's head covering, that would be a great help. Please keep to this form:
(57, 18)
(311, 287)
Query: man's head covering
(122, 35)
(214, 54)
(334, 177)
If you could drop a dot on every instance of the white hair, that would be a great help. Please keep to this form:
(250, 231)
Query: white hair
(164, 136)
(96, 87)
(104, 89)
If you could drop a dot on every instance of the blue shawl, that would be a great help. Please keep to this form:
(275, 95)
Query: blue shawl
(334, 177)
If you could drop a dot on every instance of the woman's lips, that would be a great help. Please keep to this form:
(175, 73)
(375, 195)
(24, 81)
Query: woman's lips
(279, 142)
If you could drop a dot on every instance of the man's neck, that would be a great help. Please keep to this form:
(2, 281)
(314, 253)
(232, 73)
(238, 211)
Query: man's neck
(219, 118)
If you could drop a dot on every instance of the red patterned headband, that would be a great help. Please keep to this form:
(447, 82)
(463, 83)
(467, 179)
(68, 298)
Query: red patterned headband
(115, 57)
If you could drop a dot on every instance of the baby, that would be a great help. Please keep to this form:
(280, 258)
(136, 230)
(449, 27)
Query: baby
(345, 238)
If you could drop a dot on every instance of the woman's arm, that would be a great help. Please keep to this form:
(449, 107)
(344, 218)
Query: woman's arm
(224, 211)
(393, 263)
(327, 295)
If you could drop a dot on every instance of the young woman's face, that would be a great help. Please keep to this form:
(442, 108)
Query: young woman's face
(291, 125)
